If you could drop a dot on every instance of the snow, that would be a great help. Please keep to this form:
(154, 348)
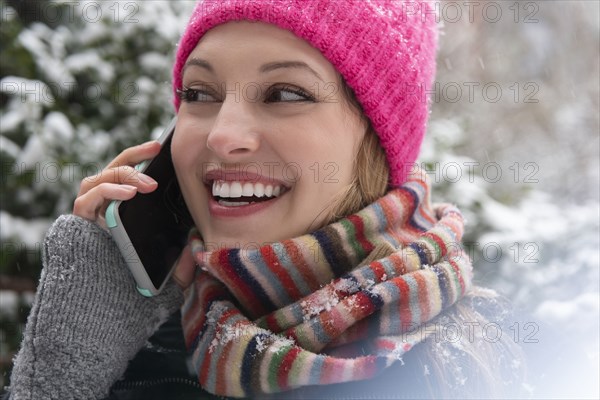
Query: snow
(346, 285)
(9, 302)
(29, 233)
(57, 127)
(90, 144)
(90, 60)
(506, 219)
(9, 147)
(94, 33)
(48, 48)
(446, 132)
(323, 300)
(11, 121)
(574, 311)
(9, 305)
(33, 153)
(159, 16)
(280, 343)
(27, 90)
(7, 13)
(261, 344)
(153, 61)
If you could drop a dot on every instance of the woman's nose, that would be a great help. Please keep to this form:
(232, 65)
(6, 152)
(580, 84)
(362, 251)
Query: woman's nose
(234, 135)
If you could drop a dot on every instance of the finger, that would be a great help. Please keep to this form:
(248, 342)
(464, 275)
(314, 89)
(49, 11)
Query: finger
(95, 201)
(135, 154)
(126, 160)
(123, 175)
(185, 269)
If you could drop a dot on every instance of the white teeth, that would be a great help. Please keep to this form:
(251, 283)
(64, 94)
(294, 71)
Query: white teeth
(248, 189)
(236, 189)
(216, 188)
(259, 190)
(224, 190)
(233, 203)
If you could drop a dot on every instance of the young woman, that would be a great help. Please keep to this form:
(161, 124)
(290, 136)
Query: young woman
(318, 267)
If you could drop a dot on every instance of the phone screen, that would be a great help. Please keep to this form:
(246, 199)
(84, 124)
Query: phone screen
(158, 223)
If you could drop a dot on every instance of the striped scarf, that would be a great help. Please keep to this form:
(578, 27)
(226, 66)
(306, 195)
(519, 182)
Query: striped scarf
(336, 305)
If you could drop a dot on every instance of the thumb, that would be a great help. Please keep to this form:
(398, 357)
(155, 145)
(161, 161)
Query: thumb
(185, 269)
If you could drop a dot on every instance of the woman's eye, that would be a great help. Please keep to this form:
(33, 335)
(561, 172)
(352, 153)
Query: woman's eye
(287, 94)
(195, 95)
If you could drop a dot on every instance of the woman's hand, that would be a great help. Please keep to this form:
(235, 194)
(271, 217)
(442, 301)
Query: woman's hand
(118, 181)
(121, 181)
(185, 269)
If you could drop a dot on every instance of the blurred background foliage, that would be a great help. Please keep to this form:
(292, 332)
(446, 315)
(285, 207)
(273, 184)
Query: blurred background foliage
(513, 138)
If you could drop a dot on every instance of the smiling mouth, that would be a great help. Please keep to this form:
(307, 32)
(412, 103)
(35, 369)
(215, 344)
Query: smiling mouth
(238, 194)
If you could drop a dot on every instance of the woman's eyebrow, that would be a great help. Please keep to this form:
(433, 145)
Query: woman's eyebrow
(198, 62)
(288, 64)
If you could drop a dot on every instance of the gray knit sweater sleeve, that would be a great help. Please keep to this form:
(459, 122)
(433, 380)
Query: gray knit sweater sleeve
(87, 320)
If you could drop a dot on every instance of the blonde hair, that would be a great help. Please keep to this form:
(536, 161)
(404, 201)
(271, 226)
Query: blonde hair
(371, 171)
(493, 368)
(370, 179)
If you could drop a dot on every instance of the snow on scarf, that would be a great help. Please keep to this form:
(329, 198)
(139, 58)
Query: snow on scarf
(336, 305)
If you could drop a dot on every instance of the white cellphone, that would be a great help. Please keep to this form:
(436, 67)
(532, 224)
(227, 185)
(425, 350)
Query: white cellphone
(151, 229)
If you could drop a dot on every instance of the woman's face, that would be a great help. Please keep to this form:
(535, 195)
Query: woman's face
(265, 140)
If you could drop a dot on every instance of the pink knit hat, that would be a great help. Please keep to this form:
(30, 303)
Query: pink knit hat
(384, 49)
